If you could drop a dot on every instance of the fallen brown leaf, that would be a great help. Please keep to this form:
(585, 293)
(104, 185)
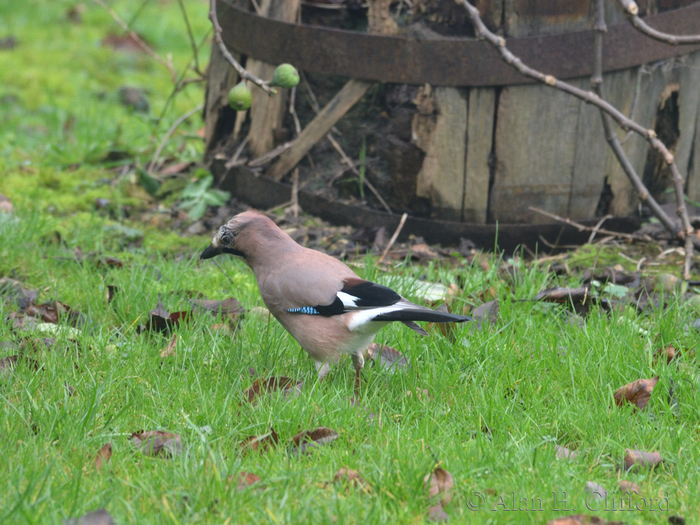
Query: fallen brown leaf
(565, 295)
(245, 480)
(668, 354)
(159, 319)
(55, 311)
(226, 307)
(437, 514)
(103, 456)
(260, 387)
(5, 203)
(96, 517)
(641, 459)
(169, 350)
(486, 313)
(304, 441)
(388, 358)
(261, 443)
(12, 290)
(157, 443)
(440, 482)
(110, 292)
(422, 252)
(565, 453)
(351, 478)
(637, 392)
(7, 364)
(629, 486)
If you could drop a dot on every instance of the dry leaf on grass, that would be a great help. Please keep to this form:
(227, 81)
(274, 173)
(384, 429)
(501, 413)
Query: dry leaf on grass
(637, 392)
(12, 290)
(290, 388)
(96, 517)
(388, 358)
(103, 456)
(160, 320)
(565, 453)
(260, 443)
(244, 480)
(304, 441)
(596, 492)
(440, 484)
(486, 313)
(157, 443)
(351, 478)
(171, 347)
(639, 458)
(667, 354)
(582, 519)
(629, 486)
(676, 520)
(437, 514)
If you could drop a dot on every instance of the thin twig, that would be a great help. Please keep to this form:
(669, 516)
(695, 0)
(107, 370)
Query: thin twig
(190, 35)
(295, 193)
(393, 238)
(267, 157)
(293, 111)
(233, 285)
(138, 40)
(172, 129)
(583, 227)
(243, 72)
(631, 9)
(347, 160)
(232, 161)
(596, 228)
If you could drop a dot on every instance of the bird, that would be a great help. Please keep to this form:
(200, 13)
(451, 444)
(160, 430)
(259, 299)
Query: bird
(318, 299)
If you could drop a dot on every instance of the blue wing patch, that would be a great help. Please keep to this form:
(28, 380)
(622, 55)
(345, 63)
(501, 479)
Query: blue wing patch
(308, 310)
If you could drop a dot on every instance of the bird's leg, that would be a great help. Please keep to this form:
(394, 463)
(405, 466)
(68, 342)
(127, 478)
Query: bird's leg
(322, 369)
(358, 362)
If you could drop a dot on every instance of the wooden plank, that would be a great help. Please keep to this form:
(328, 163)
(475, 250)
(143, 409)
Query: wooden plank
(480, 122)
(266, 112)
(528, 17)
(318, 127)
(535, 147)
(443, 138)
(688, 150)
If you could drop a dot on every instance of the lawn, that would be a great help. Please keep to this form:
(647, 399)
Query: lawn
(490, 404)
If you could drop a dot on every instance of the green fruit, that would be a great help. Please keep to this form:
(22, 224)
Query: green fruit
(285, 76)
(240, 97)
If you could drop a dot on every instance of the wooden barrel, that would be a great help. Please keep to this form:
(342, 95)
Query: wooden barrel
(484, 144)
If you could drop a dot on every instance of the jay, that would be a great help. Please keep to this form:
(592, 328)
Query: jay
(319, 300)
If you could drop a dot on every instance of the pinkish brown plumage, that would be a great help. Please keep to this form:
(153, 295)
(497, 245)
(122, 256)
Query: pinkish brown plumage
(319, 300)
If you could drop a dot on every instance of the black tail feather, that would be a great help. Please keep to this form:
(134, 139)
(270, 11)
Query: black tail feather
(430, 316)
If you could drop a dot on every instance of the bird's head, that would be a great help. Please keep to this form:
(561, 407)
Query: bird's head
(244, 236)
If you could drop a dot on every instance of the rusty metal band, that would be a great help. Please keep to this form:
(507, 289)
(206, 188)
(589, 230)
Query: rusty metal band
(264, 193)
(446, 61)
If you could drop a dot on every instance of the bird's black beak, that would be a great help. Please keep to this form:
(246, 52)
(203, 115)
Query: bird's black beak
(210, 252)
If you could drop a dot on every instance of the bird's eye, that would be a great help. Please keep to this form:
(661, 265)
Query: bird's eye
(226, 237)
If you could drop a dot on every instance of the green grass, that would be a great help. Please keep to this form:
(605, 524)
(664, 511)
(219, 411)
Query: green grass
(533, 380)
(497, 402)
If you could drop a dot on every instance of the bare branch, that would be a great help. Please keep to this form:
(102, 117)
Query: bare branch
(632, 11)
(138, 40)
(167, 135)
(243, 72)
(595, 229)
